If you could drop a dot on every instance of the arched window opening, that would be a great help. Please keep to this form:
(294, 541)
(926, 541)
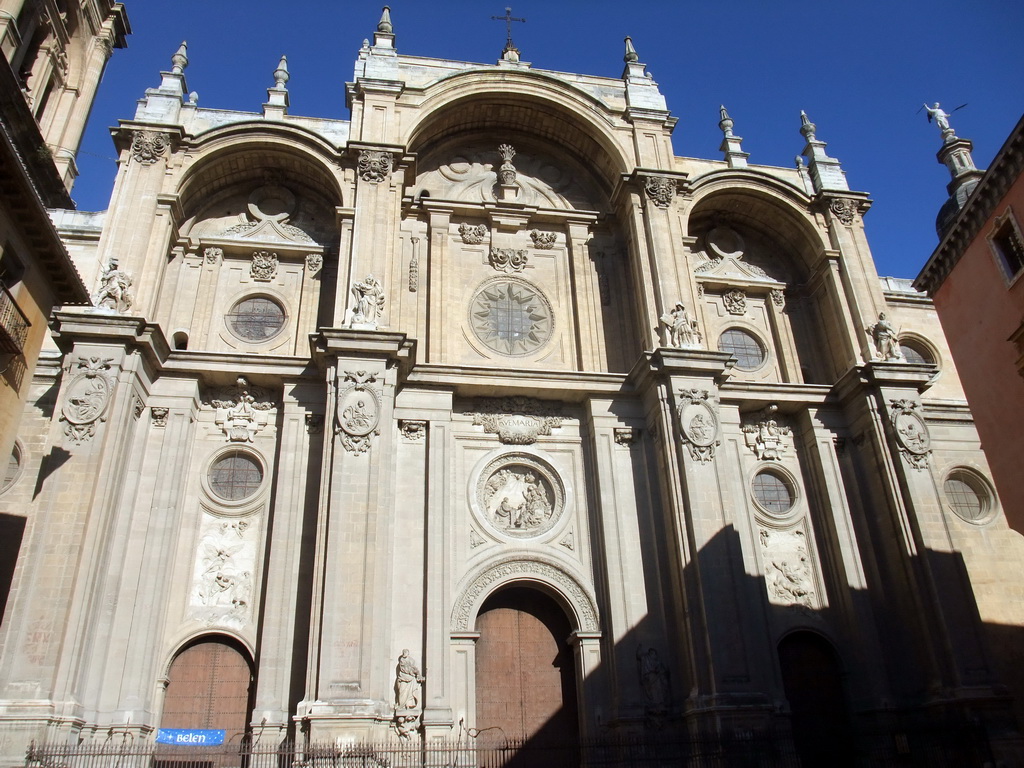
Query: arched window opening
(210, 687)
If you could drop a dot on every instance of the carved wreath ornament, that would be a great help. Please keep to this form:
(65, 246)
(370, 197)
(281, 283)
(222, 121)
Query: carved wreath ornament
(86, 399)
(374, 165)
(698, 424)
(148, 147)
(358, 412)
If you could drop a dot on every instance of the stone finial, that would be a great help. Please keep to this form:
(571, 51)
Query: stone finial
(281, 75)
(384, 26)
(631, 56)
(507, 172)
(180, 59)
(807, 128)
(725, 123)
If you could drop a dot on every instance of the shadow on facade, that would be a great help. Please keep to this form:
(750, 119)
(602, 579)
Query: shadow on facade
(776, 670)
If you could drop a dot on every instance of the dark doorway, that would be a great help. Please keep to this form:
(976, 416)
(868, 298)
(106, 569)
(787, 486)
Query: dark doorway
(525, 676)
(209, 687)
(813, 681)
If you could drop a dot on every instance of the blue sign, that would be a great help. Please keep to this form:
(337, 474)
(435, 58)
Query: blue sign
(190, 738)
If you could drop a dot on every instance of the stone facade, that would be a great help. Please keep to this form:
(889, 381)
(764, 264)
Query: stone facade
(489, 333)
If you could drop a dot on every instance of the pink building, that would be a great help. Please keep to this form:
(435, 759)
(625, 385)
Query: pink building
(976, 278)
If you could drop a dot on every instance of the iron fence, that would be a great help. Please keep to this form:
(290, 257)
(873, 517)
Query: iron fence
(958, 746)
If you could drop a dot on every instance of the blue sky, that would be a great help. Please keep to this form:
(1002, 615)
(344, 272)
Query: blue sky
(860, 69)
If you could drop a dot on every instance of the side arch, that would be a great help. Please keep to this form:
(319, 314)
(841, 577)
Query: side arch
(565, 588)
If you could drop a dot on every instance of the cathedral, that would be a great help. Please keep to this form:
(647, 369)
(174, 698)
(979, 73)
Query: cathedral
(483, 415)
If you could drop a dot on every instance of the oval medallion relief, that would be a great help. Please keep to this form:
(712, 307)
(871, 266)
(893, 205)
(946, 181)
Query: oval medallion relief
(519, 495)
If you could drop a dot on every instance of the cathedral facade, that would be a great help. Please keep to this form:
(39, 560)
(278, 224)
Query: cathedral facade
(484, 412)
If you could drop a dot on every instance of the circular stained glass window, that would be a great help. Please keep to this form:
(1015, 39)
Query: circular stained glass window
(967, 496)
(256, 319)
(913, 353)
(236, 476)
(511, 317)
(744, 347)
(772, 493)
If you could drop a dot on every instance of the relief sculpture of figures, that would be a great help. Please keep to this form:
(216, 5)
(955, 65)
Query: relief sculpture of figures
(369, 301)
(682, 329)
(653, 679)
(887, 346)
(113, 293)
(408, 681)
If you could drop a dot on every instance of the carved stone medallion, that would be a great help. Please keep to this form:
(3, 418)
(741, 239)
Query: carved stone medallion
(661, 190)
(358, 412)
(86, 398)
(911, 432)
(517, 420)
(507, 260)
(264, 266)
(511, 317)
(148, 147)
(735, 302)
(520, 495)
(698, 424)
(375, 165)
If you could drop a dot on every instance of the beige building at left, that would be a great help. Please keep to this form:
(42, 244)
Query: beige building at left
(481, 413)
(53, 57)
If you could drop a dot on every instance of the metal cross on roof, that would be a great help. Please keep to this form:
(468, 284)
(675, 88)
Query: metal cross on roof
(508, 18)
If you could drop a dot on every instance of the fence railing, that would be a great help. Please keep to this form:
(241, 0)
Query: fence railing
(13, 323)
(957, 746)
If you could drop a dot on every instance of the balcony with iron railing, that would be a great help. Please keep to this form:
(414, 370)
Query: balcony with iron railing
(13, 324)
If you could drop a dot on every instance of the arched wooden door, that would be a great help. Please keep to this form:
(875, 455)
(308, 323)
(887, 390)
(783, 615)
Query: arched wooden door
(813, 681)
(525, 675)
(209, 686)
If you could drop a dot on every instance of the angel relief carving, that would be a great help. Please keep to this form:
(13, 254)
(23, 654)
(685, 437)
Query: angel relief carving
(222, 581)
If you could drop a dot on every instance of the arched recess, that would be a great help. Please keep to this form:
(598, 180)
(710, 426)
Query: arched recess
(526, 678)
(812, 677)
(550, 578)
(210, 686)
(762, 276)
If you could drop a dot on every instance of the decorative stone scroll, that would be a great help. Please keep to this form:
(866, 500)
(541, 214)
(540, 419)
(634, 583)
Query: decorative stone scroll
(264, 266)
(778, 297)
(375, 165)
(626, 436)
(222, 582)
(543, 241)
(86, 398)
(314, 263)
(581, 602)
(765, 436)
(358, 412)
(517, 420)
(520, 495)
(508, 260)
(661, 190)
(472, 235)
(911, 432)
(844, 209)
(412, 430)
(698, 424)
(735, 302)
(213, 255)
(148, 147)
(158, 416)
(241, 410)
(788, 576)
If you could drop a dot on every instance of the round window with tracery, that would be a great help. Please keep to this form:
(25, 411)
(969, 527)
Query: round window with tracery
(511, 317)
(256, 319)
(773, 493)
(235, 476)
(747, 350)
(967, 496)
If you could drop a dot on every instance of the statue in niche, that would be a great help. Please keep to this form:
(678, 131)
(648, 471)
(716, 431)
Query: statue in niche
(887, 346)
(408, 681)
(113, 293)
(682, 329)
(369, 301)
(654, 679)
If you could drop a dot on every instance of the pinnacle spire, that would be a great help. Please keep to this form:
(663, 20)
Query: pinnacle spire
(631, 56)
(807, 128)
(826, 172)
(281, 75)
(725, 123)
(732, 145)
(384, 26)
(180, 59)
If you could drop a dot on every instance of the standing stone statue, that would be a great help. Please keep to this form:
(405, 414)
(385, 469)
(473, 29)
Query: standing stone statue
(407, 682)
(682, 328)
(113, 293)
(369, 301)
(939, 115)
(887, 345)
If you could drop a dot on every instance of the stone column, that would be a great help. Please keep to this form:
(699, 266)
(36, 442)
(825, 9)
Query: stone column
(440, 304)
(587, 658)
